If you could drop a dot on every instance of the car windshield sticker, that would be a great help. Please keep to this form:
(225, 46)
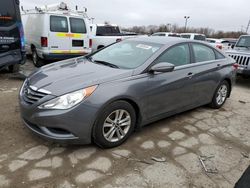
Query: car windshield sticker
(143, 46)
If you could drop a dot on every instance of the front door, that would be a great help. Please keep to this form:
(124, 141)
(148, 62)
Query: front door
(168, 92)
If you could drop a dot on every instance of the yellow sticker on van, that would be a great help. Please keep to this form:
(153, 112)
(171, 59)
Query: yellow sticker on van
(71, 35)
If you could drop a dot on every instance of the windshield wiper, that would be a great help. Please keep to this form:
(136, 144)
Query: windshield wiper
(105, 63)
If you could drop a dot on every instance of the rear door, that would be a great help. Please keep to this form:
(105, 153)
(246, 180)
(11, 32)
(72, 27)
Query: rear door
(59, 37)
(207, 65)
(11, 30)
(78, 35)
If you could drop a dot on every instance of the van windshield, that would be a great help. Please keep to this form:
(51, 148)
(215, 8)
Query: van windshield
(7, 13)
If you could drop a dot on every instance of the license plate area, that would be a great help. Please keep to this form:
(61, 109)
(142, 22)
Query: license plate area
(77, 43)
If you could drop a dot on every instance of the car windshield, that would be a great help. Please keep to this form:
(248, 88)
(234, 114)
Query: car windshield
(7, 13)
(126, 54)
(243, 42)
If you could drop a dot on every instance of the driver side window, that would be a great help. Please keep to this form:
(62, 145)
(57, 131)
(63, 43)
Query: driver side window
(177, 55)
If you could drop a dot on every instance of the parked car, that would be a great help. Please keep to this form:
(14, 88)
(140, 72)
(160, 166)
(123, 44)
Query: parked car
(106, 34)
(103, 97)
(12, 51)
(166, 34)
(193, 36)
(241, 54)
(55, 33)
(222, 44)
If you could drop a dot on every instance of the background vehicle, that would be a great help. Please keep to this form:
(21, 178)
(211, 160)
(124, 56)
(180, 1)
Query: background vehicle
(241, 53)
(106, 34)
(166, 34)
(55, 32)
(193, 36)
(104, 96)
(222, 44)
(12, 50)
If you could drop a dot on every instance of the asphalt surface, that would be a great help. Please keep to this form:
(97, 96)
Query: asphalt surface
(174, 152)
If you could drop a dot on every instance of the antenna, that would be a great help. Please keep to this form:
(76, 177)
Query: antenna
(248, 25)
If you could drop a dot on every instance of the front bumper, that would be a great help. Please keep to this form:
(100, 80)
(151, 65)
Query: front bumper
(243, 71)
(73, 126)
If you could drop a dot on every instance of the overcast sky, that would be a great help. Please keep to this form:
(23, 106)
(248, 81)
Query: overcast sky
(228, 15)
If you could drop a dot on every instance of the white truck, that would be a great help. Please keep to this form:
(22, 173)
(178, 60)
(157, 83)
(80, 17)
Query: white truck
(55, 32)
(105, 34)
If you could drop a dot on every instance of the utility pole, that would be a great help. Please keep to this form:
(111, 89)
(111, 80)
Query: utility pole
(248, 25)
(186, 20)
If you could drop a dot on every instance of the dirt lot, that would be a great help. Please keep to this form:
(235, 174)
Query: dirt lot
(220, 137)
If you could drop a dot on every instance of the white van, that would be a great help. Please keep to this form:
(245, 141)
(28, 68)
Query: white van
(55, 33)
(193, 36)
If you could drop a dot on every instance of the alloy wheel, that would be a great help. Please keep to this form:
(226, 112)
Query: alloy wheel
(116, 125)
(222, 94)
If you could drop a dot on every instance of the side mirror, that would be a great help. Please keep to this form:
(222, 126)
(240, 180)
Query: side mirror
(232, 46)
(162, 67)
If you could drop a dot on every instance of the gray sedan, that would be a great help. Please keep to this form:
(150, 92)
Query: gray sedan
(103, 97)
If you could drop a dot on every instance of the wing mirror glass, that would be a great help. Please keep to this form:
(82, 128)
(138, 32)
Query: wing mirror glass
(162, 67)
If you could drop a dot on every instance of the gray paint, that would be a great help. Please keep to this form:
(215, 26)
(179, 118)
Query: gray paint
(156, 95)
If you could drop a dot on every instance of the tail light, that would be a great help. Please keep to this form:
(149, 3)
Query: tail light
(219, 46)
(90, 43)
(22, 38)
(118, 40)
(44, 41)
(235, 66)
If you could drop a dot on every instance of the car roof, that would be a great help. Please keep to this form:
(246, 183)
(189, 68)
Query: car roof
(160, 40)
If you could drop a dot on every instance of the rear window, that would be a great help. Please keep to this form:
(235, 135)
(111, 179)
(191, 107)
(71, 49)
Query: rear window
(77, 25)
(199, 37)
(58, 24)
(186, 36)
(159, 34)
(107, 31)
(7, 13)
(203, 53)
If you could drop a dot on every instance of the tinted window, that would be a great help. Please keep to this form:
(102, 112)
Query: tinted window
(178, 55)
(186, 36)
(199, 37)
(7, 13)
(219, 55)
(159, 34)
(127, 54)
(107, 30)
(77, 25)
(58, 24)
(203, 53)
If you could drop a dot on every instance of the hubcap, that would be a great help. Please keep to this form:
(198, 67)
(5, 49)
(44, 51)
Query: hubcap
(116, 125)
(34, 57)
(221, 95)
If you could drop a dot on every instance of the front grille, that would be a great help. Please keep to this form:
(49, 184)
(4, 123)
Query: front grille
(241, 59)
(30, 95)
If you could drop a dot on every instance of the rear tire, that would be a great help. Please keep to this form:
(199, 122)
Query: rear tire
(37, 61)
(14, 68)
(114, 125)
(220, 96)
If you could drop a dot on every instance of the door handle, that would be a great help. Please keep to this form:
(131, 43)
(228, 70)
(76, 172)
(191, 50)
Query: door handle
(190, 75)
(218, 65)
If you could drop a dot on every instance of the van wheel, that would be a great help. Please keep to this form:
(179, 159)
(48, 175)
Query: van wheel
(221, 95)
(14, 68)
(37, 61)
(114, 125)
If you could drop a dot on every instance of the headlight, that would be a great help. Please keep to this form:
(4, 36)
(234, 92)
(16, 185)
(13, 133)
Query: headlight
(68, 100)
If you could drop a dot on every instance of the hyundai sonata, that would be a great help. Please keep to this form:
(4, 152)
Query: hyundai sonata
(103, 97)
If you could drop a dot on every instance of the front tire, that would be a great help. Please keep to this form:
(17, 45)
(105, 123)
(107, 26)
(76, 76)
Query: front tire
(14, 68)
(221, 94)
(37, 61)
(114, 125)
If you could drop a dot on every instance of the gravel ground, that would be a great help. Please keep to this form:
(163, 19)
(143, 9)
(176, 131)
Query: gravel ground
(221, 138)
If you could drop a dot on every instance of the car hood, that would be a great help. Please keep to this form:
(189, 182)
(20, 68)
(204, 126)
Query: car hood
(241, 51)
(68, 76)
